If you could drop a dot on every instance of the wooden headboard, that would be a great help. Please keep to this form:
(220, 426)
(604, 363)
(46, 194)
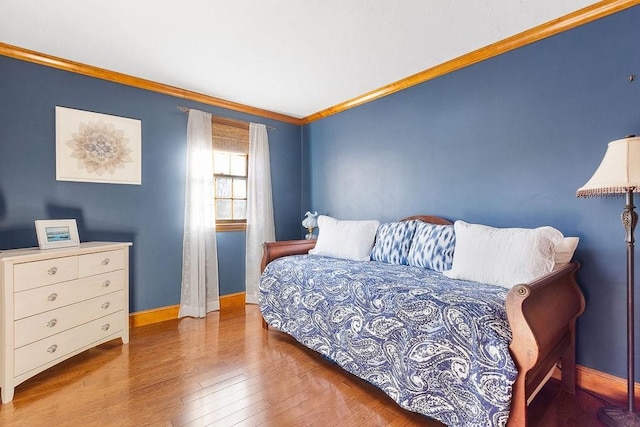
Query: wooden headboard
(428, 218)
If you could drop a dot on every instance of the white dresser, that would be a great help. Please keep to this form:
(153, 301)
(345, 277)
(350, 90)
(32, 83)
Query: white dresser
(56, 303)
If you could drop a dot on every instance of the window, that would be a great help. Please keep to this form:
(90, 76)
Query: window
(230, 168)
(230, 174)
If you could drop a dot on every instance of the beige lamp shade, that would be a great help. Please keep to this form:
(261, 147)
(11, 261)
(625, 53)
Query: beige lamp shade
(618, 172)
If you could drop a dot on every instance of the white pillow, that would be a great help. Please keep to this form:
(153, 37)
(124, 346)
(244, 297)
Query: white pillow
(502, 256)
(345, 239)
(564, 251)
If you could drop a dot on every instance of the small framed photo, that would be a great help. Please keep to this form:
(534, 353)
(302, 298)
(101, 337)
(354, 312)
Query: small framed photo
(57, 233)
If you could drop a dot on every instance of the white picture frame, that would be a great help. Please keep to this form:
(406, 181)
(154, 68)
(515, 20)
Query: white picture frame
(57, 233)
(96, 147)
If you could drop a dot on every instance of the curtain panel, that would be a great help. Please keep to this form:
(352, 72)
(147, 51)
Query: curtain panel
(260, 221)
(199, 291)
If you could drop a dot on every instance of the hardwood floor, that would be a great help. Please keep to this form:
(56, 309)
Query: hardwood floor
(226, 370)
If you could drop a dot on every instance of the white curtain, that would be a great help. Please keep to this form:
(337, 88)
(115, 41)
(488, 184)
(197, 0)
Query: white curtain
(200, 293)
(260, 223)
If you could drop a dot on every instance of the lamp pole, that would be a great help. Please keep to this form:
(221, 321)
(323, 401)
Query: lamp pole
(613, 416)
(629, 220)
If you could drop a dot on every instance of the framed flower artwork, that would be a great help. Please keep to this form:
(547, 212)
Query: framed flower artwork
(95, 147)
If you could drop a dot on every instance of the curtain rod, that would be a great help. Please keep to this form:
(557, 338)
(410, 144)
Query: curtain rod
(186, 110)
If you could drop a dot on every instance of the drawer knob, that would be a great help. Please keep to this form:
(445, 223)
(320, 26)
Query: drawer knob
(52, 349)
(106, 327)
(105, 261)
(52, 297)
(51, 323)
(52, 271)
(105, 305)
(106, 283)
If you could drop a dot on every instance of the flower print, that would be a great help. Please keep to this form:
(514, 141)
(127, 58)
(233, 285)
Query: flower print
(100, 147)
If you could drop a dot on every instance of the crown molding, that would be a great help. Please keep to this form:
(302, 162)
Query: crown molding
(567, 22)
(564, 23)
(101, 73)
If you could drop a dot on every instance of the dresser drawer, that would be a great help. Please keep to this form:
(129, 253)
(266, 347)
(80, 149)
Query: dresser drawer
(102, 262)
(35, 301)
(30, 275)
(57, 346)
(43, 325)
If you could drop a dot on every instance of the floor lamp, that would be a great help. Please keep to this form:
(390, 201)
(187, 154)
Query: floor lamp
(619, 174)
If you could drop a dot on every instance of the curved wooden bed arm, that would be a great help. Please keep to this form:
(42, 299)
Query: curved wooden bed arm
(542, 316)
(275, 250)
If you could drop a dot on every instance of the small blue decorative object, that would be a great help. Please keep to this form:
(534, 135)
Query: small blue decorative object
(310, 222)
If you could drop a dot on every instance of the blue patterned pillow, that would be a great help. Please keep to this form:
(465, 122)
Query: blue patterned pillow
(393, 241)
(432, 247)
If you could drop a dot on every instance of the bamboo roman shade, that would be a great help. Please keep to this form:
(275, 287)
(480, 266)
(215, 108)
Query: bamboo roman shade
(230, 135)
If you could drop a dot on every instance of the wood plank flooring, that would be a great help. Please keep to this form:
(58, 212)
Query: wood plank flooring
(226, 370)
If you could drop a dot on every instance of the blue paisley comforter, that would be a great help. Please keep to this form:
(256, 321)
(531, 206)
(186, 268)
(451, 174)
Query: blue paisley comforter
(436, 346)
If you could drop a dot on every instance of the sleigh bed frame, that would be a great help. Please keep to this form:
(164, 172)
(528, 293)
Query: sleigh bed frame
(542, 315)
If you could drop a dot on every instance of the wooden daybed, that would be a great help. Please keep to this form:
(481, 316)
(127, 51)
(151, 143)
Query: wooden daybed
(542, 317)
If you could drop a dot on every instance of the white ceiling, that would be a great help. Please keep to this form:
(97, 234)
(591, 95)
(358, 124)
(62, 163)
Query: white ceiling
(295, 57)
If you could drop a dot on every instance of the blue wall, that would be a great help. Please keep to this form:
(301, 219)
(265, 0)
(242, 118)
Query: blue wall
(506, 142)
(150, 215)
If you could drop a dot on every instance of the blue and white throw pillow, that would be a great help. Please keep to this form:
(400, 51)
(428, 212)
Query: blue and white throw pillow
(432, 247)
(393, 241)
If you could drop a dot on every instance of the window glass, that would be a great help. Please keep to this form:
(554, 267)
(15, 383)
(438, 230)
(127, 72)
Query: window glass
(223, 209)
(240, 209)
(221, 163)
(239, 188)
(223, 187)
(238, 165)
